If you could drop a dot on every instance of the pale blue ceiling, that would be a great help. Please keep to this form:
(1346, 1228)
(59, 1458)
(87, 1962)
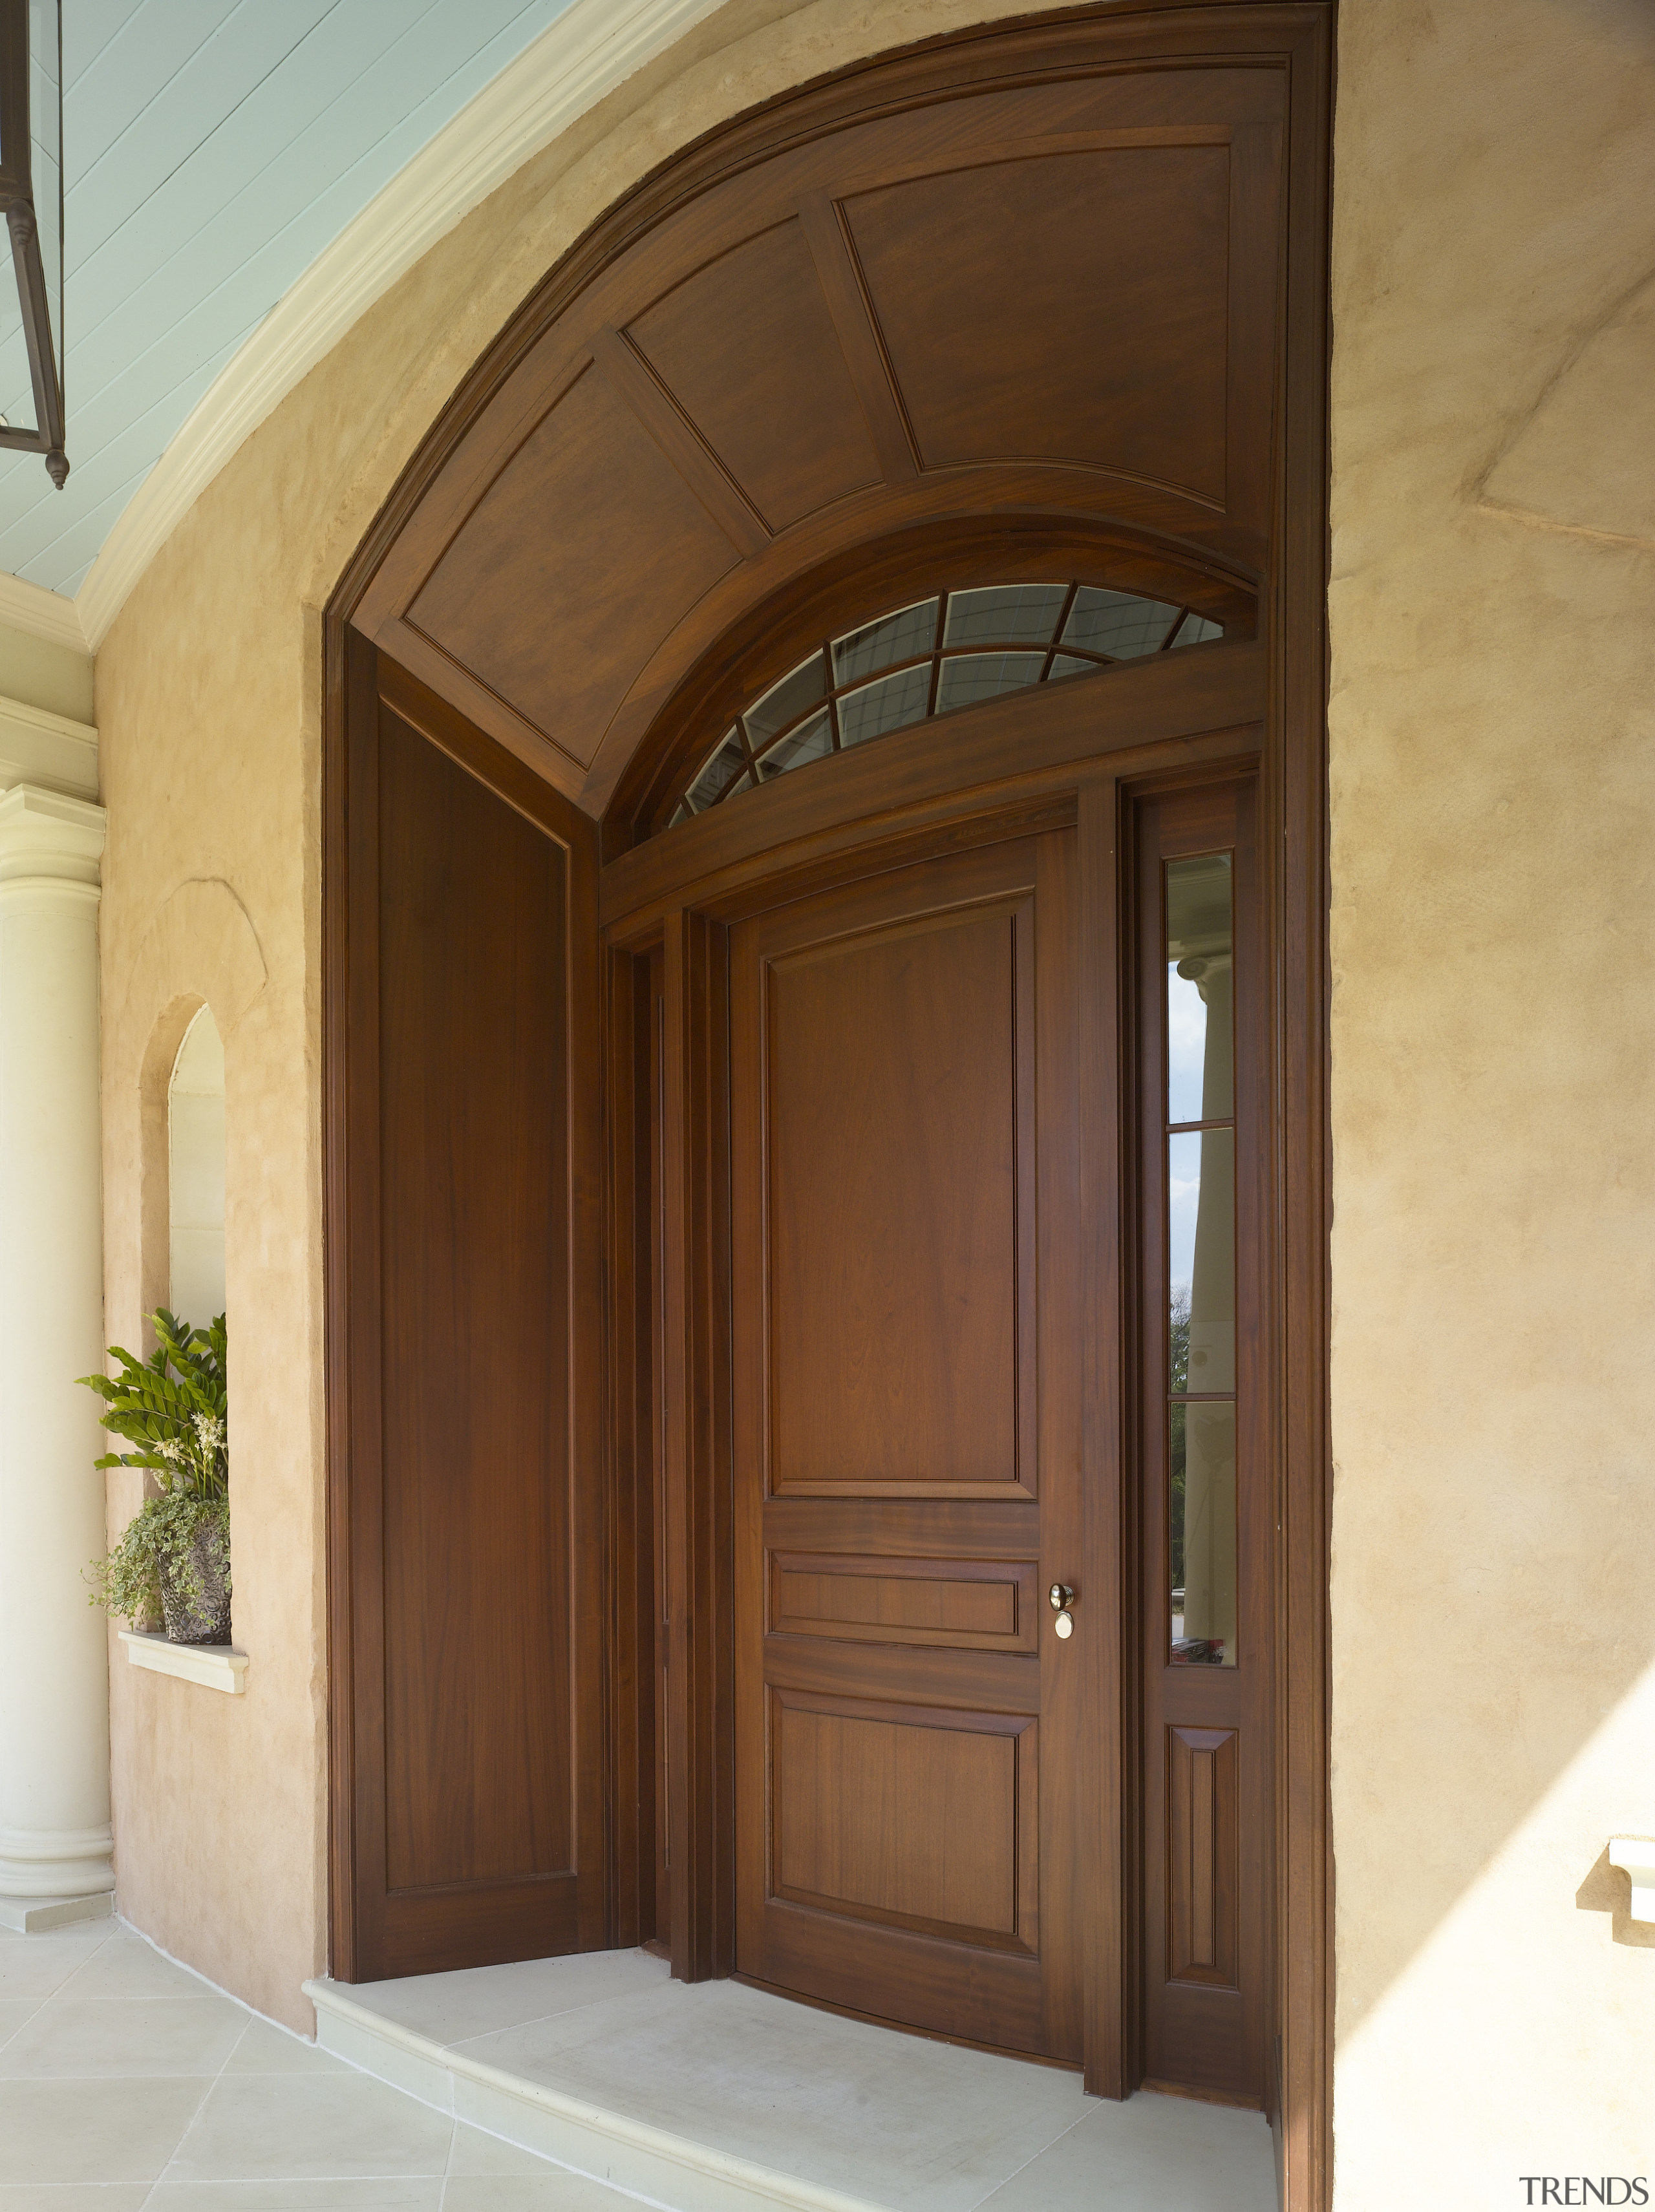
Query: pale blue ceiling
(211, 150)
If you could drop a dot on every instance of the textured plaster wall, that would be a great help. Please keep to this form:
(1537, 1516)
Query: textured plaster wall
(41, 674)
(1492, 761)
(208, 704)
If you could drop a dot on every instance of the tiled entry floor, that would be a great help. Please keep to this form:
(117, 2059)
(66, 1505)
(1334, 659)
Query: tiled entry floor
(718, 2095)
(127, 2085)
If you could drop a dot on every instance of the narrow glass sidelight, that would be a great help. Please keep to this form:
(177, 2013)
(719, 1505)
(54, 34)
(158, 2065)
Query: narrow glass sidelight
(1199, 1101)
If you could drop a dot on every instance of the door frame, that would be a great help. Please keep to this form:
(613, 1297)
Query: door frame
(685, 921)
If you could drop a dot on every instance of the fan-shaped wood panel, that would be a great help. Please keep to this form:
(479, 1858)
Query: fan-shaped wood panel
(1072, 307)
(1049, 299)
(747, 342)
(591, 525)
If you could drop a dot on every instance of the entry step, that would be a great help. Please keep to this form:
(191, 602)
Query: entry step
(712, 2097)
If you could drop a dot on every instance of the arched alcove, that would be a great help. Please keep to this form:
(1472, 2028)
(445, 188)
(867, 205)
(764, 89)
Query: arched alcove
(195, 1174)
(803, 1094)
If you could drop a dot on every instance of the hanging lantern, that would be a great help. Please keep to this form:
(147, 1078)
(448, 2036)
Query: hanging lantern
(31, 204)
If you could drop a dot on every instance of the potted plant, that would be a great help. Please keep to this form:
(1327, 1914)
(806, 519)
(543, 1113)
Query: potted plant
(174, 1557)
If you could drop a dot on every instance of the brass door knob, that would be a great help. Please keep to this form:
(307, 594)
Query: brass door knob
(1062, 1595)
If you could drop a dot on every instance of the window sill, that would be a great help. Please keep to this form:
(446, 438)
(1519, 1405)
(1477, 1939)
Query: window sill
(214, 1666)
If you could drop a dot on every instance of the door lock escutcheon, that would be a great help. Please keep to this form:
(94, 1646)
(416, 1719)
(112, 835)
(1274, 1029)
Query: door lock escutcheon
(1062, 1596)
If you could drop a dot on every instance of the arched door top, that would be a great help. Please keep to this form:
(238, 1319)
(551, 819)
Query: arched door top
(1022, 291)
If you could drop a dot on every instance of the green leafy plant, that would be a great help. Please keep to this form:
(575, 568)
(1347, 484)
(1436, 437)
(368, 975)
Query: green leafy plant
(174, 1408)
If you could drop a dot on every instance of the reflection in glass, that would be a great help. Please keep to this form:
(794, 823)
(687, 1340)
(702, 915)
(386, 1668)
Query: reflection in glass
(1202, 1533)
(1118, 624)
(800, 687)
(719, 772)
(889, 704)
(1005, 614)
(811, 740)
(1200, 1254)
(1196, 629)
(973, 676)
(1200, 1219)
(904, 635)
(1200, 1054)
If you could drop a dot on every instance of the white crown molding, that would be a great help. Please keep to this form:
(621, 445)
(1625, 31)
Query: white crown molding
(572, 65)
(40, 613)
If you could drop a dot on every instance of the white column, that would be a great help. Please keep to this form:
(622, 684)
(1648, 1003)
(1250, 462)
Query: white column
(54, 1669)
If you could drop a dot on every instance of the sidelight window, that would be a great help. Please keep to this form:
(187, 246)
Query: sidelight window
(931, 657)
(1201, 1217)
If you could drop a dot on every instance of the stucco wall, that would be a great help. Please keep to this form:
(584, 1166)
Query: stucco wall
(1493, 753)
(1495, 218)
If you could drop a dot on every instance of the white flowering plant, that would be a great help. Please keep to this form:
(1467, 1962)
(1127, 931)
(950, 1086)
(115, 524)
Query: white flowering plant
(174, 1408)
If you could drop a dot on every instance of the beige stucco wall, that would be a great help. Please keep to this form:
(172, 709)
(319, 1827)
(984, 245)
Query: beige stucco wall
(1493, 754)
(1492, 671)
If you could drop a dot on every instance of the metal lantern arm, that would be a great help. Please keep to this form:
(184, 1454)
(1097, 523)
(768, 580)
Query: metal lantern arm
(17, 205)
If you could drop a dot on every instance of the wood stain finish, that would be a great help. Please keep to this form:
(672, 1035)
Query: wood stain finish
(642, 506)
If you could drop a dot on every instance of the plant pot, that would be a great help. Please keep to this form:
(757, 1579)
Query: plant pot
(203, 1618)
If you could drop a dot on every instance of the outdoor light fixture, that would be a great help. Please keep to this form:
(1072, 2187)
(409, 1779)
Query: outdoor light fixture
(32, 201)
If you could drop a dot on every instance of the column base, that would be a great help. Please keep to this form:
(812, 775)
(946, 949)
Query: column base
(33, 1916)
(48, 1863)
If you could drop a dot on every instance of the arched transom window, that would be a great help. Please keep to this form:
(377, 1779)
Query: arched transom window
(951, 650)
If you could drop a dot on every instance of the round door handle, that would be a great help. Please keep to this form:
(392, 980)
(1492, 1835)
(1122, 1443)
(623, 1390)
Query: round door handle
(1062, 1595)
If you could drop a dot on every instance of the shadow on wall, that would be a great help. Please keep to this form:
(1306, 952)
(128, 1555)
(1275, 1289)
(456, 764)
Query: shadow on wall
(1608, 1889)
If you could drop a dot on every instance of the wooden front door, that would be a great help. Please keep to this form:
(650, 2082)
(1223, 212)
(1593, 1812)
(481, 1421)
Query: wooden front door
(910, 1729)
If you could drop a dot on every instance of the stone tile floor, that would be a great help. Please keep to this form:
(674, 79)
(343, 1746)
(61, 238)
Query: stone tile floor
(128, 2085)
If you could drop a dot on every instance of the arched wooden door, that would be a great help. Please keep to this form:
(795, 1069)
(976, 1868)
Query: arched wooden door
(1035, 308)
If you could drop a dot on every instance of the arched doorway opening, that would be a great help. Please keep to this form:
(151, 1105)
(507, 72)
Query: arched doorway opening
(824, 881)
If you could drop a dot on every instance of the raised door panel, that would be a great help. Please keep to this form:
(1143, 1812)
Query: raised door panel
(1203, 1857)
(1072, 307)
(971, 1604)
(555, 590)
(899, 1218)
(916, 1817)
(747, 348)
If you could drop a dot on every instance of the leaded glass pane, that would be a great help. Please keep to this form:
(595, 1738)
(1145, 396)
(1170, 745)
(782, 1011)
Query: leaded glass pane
(1196, 629)
(785, 702)
(811, 740)
(904, 635)
(972, 676)
(889, 704)
(718, 771)
(1005, 614)
(1118, 624)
